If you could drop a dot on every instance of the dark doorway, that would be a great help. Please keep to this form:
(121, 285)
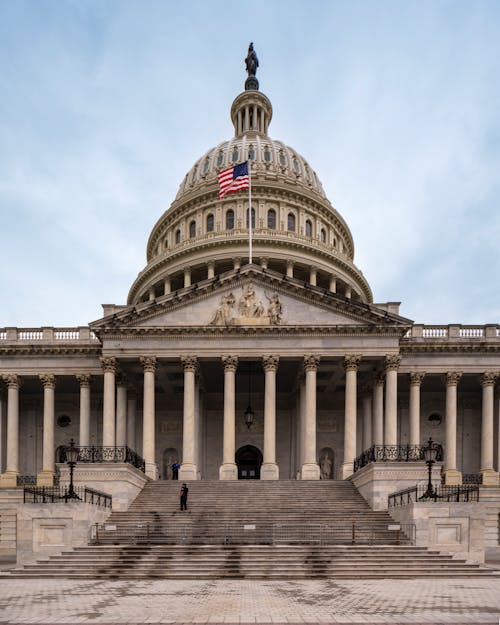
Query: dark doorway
(249, 460)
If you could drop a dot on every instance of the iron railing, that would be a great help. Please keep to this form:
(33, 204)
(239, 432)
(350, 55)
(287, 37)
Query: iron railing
(414, 494)
(472, 478)
(60, 494)
(99, 453)
(394, 453)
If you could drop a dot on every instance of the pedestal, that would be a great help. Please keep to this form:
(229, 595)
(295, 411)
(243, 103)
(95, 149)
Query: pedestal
(309, 472)
(152, 470)
(228, 471)
(490, 477)
(8, 480)
(347, 470)
(452, 477)
(269, 471)
(189, 472)
(45, 478)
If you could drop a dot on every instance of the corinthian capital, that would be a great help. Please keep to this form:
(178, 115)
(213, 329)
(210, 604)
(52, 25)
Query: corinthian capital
(392, 362)
(351, 362)
(453, 378)
(108, 364)
(416, 378)
(148, 363)
(230, 363)
(311, 362)
(12, 380)
(48, 380)
(378, 378)
(84, 379)
(488, 378)
(189, 363)
(270, 363)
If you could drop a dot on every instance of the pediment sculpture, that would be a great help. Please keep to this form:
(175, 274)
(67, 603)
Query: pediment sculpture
(248, 310)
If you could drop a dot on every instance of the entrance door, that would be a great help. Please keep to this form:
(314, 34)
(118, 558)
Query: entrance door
(249, 460)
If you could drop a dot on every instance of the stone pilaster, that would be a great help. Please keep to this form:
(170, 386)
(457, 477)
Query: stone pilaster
(416, 379)
(108, 409)
(84, 379)
(490, 476)
(452, 475)
(310, 469)
(9, 478)
(378, 408)
(189, 469)
(46, 476)
(269, 469)
(391, 399)
(228, 470)
(351, 362)
(148, 436)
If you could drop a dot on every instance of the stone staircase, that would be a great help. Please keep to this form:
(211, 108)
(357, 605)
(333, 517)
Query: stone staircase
(251, 530)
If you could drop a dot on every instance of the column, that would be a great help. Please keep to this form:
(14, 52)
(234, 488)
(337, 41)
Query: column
(310, 468)
(189, 470)
(197, 423)
(84, 380)
(490, 476)
(167, 285)
(452, 476)
(46, 477)
(378, 409)
(187, 276)
(131, 424)
(333, 284)
(367, 419)
(121, 412)
(263, 262)
(289, 268)
(391, 399)
(108, 408)
(228, 470)
(210, 269)
(348, 292)
(151, 294)
(301, 410)
(351, 362)
(9, 478)
(269, 469)
(416, 379)
(237, 263)
(148, 430)
(3, 412)
(312, 276)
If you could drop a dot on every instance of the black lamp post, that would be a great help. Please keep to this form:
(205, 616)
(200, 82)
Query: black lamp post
(430, 454)
(71, 459)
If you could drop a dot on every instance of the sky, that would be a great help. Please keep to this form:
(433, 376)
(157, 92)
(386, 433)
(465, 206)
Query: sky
(106, 104)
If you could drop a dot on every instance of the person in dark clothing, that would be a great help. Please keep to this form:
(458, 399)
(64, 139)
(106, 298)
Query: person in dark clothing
(184, 496)
(175, 470)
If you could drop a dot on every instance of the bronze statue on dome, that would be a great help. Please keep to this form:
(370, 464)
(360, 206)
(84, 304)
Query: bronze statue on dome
(251, 62)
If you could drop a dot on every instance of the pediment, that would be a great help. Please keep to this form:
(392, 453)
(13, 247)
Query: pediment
(249, 299)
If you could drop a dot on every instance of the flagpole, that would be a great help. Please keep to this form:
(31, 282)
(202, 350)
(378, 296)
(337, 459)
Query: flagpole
(249, 213)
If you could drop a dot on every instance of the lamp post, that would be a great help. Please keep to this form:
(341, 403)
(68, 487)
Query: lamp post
(72, 457)
(430, 454)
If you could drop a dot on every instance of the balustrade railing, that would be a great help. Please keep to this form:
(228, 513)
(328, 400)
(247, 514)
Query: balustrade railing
(393, 453)
(472, 478)
(60, 494)
(463, 494)
(96, 453)
(82, 334)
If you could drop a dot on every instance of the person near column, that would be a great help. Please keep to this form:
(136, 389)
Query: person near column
(184, 496)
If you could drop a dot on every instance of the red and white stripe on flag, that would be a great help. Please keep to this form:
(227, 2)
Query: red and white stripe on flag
(233, 179)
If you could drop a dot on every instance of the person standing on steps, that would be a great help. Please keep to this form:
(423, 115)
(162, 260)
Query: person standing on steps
(184, 496)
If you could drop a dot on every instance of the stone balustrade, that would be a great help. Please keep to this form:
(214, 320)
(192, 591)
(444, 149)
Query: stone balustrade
(82, 334)
(453, 332)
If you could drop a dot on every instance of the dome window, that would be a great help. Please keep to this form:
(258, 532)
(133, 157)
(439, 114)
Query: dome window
(308, 174)
(178, 235)
(309, 228)
(236, 155)
(282, 159)
(271, 219)
(334, 242)
(267, 154)
(230, 220)
(253, 218)
(210, 223)
(291, 222)
(323, 235)
(195, 172)
(251, 153)
(192, 230)
(206, 165)
(165, 244)
(220, 159)
(296, 166)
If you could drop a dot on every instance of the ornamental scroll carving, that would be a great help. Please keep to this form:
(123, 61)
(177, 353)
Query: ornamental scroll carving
(488, 378)
(48, 380)
(189, 363)
(392, 362)
(270, 363)
(311, 363)
(248, 309)
(230, 363)
(84, 379)
(351, 362)
(453, 378)
(108, 364)
(12, 380)
(148, 363)
(416, 378)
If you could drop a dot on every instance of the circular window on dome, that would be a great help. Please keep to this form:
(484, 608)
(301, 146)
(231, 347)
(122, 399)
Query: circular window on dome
(434, 419)
(63, 421)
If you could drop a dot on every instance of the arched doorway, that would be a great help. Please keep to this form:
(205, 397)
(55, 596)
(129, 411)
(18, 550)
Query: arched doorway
(249, 460)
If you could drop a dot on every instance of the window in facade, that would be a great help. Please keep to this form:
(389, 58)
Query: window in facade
(192, 230)
(195, 172)
(236, 155)
(282, 159)
(206, 165)
(251, 153)
(253, 217)
(309, 228)
(291, 222)
(267, 154)
(220, 159)
(230, 220)
(271, 219)
(323, 235)
(210, 223)
(296, 166)
(178, 236)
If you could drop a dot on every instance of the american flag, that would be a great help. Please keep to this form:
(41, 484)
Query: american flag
(233, 179)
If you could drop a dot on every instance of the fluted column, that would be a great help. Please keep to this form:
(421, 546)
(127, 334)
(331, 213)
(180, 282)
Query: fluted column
(228, 470)
(301, 408)
(310, 468)
(289, 268)
(108, 409)
(46, 477)
(210, 269)
(197, 423)
(367, 440)
(148, 429)
(9, 478)
(333, 283)
(490, 476)
(269, 469)
(391, 399)
(121, 412)
(187, 277)
(313, 276)
(84, 380)
(351, 362)
(131, 419)
(416, 379)
(452, 475)
(189, 470)
(378, 408)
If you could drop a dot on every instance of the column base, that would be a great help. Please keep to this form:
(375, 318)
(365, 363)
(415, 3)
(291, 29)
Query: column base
(45, 478)
(8, 479)
(347, 470)
(452, 477)
(490, 477)
(228, 471)
(269, 471)
(309, 471)
(188, 471)
(152, 470)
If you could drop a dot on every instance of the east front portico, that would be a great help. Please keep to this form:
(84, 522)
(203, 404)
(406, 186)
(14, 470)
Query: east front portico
(296, 352)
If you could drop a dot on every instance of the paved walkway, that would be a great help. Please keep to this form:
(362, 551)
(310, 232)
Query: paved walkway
(239, 601)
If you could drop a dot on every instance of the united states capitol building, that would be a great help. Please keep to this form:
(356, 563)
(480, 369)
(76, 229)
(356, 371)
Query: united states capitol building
(274, 365)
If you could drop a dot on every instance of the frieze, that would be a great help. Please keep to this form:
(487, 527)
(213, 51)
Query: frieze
(248, 309)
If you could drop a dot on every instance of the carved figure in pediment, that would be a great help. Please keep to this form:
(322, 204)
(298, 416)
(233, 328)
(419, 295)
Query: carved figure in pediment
(224, 311)
(275, 309)
(249, 305)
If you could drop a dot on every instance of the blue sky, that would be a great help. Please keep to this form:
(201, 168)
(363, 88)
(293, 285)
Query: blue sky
(104, 106)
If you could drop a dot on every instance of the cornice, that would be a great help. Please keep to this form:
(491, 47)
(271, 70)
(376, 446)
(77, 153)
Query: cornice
(51, 350)
(449, 348)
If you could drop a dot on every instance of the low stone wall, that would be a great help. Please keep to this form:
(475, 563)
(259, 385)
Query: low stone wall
(377, 480)
(122, 481)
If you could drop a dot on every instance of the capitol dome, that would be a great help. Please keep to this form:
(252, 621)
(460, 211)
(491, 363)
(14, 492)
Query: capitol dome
(296, 232)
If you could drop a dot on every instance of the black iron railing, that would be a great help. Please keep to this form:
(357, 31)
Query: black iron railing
(472, 478)
(394, 453)
(414, 494)
(97, 453)
(60, 494)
